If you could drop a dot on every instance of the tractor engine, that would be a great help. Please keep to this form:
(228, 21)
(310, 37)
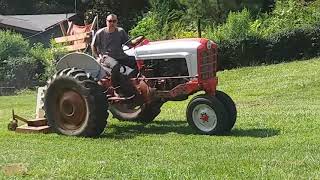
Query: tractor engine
(175, 63)
(164, 70)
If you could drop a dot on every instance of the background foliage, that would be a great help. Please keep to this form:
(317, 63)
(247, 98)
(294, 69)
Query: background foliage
(24, 65)
(248, 32)
(128, 10)
(300, 43)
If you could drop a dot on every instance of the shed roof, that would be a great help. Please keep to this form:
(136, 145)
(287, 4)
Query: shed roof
(35, 23)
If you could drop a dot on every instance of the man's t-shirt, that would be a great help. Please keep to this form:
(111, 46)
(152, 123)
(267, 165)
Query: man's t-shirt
(111, 43)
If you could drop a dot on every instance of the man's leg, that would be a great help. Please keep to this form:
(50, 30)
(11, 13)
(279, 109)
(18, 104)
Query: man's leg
(130, 61)
(121, 82)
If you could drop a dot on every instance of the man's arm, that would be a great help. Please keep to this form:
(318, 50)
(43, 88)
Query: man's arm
(125, 37)
(94, 48)
(94, 51)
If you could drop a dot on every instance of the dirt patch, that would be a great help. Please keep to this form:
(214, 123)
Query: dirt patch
(15, 169)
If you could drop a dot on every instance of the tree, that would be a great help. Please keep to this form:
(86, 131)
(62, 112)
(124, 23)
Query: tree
(207, 10)
(127, 10)
(216, 11)
(8, 7)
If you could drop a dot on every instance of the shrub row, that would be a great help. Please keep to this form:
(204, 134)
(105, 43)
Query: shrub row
(289, 32)
(23, 65)
(284, 46)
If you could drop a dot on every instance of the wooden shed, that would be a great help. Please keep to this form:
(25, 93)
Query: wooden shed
(36, 28)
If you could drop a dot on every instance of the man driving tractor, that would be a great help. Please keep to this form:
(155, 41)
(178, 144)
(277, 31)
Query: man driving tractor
(78, 97)
(109, 41)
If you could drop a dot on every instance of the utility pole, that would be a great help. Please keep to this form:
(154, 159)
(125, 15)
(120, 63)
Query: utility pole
(200, 16)
(199, 28)
(75, 6)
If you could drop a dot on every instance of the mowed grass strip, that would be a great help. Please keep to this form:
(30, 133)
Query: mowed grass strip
(276, 136)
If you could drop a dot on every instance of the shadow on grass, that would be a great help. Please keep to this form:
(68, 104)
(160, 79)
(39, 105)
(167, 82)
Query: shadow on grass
(128, 131)
(257, 133)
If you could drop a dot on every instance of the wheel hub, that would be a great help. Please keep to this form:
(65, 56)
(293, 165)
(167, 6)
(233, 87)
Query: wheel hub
(67, 109)
(204, 117)
(72, 110)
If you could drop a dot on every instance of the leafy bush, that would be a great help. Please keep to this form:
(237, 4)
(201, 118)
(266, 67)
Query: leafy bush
(22, 65)
(46, 59)
(12, 44)
(295, 44)
(291, 31)
(21, 72)
(216, 12)
(236, 27)
(284, 46)
(180, 30)
(148, 27)
(241, 52)
(159, 21)
(208, 10)
(289, 15)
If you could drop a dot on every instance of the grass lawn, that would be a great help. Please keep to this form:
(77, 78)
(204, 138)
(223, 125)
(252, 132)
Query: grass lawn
(276, 136)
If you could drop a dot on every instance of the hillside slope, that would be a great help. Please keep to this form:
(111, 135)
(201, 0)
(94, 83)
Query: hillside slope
(276, 136)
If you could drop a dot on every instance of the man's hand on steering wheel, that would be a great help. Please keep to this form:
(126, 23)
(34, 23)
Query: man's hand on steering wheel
(132, 42)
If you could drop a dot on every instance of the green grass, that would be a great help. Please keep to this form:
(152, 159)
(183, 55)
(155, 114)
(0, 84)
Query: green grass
(276, 136)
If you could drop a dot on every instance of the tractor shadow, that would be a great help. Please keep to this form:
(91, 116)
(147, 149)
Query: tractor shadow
(256, 133)
(132, 130)
(129, 131)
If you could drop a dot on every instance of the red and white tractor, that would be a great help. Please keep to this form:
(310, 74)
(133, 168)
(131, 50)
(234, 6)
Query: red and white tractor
(78, 97)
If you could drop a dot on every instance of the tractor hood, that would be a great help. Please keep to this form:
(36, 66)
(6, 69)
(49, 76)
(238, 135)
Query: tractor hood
(167, 49)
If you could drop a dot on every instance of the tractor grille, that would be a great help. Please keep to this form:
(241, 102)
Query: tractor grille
(208, 64)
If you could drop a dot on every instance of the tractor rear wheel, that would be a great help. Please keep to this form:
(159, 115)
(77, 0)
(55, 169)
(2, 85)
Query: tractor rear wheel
(144, 113)
(230, 107)
(206, 114)
(75, 104)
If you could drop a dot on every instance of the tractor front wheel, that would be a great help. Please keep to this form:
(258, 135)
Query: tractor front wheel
(75, 105)
(206, 114)
(230, 107)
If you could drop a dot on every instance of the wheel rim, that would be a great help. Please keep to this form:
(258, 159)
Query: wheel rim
(71, 112)
(204, 117)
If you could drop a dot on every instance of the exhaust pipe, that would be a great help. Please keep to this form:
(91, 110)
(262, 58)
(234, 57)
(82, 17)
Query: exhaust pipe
(199, 28)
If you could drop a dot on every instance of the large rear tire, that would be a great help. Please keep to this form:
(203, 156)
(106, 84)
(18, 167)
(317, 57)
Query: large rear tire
(206, 114)
(75, 104)
(230, 107)
(145, 113)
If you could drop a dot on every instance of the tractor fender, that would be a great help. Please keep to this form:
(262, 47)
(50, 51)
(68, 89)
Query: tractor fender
(82, 61)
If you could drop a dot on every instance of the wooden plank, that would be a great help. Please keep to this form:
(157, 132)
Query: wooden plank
(70, 24)
(94, 23)
(38, 122)
(75, 37)
(63, 30)
(76, 47)
(29, 129)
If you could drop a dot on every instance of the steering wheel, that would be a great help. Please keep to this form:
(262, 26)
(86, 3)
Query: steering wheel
(135, 40)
